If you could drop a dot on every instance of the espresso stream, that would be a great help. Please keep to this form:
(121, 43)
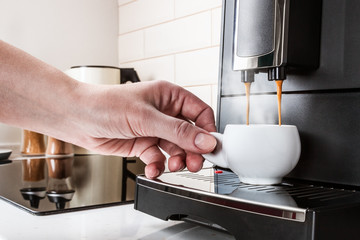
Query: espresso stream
(247, 90)
(279, 94)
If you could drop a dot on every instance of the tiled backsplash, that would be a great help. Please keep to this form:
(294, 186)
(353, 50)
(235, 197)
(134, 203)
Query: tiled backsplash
(173, 40)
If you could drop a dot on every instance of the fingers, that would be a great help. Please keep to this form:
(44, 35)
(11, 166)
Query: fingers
(198, 112)
(176, 161)
(145, 148)
(171, 102)
(157, 118)
(158, 114)
(153, 171)
(179, 159)
(154, 160)
(182, 133)
(194, 162)
(175, 100)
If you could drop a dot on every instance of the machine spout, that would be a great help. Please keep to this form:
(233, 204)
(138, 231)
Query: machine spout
(277, 73)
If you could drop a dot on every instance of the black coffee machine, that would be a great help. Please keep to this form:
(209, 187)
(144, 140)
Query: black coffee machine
(315, 45)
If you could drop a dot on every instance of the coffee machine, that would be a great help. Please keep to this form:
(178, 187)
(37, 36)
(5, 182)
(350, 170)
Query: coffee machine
(315, 45)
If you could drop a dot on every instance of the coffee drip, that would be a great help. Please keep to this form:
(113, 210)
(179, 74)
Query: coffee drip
(278, 93)
(247, 90)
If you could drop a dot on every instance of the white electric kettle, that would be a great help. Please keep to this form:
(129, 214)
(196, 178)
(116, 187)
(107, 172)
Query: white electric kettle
(102, 74)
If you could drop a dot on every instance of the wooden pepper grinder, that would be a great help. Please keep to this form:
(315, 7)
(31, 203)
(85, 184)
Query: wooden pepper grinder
(33, 143)
(56, 147)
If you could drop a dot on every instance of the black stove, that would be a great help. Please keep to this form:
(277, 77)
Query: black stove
(45, 186)
(216, 198)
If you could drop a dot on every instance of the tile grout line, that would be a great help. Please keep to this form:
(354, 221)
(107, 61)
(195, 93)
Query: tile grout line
(198, 85)
(128, 3)
(170, 54)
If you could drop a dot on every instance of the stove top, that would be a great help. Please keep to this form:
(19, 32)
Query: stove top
(45, 186)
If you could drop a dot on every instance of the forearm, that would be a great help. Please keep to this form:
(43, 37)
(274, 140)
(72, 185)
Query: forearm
(25, 84)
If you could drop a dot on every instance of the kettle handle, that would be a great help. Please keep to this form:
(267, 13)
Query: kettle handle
(128, 74)
(218, 156)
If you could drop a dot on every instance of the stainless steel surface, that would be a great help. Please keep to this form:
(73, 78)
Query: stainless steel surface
(72, 184)
(256, 56)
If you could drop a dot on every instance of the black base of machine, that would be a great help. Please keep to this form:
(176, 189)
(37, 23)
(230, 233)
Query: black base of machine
(291, 210)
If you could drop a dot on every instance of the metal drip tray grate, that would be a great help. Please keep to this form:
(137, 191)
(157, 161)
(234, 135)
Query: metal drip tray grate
(229, 181)
(288, 200)
(222, 190)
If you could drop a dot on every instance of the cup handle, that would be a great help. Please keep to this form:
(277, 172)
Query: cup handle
(218, 156)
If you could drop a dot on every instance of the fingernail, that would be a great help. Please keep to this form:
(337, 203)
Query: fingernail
(152, 174)
(205, 142)
(156, 173)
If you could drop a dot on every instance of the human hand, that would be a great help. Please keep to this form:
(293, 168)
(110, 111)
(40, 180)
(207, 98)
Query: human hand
(126, 120)
(138, 119)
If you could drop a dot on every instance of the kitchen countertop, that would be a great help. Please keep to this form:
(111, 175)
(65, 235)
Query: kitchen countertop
(115, 222)
(119, 222)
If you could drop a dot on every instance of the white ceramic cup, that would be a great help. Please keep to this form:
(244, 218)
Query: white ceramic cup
(258, 154)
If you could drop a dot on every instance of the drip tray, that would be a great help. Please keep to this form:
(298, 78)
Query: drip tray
(285, 194)
(288, 200)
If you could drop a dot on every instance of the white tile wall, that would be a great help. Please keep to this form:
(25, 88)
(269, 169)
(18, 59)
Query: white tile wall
(173, 40)
(180, 35)
(197, 67)
(187, 7)
(216, 26)
(131, 46)
(144, 13)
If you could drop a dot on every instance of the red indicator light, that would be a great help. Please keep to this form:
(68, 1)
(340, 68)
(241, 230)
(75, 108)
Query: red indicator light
(218, 171)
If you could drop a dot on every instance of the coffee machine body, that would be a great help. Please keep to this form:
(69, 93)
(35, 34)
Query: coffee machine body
(323, 101)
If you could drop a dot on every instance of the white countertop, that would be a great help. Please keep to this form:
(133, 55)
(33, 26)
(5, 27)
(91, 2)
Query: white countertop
(119, 222)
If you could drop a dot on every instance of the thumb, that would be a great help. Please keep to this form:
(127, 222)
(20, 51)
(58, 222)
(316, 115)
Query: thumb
(183, 134)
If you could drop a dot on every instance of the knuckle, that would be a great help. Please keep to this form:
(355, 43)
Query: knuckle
(183, 130)
(161, 84)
